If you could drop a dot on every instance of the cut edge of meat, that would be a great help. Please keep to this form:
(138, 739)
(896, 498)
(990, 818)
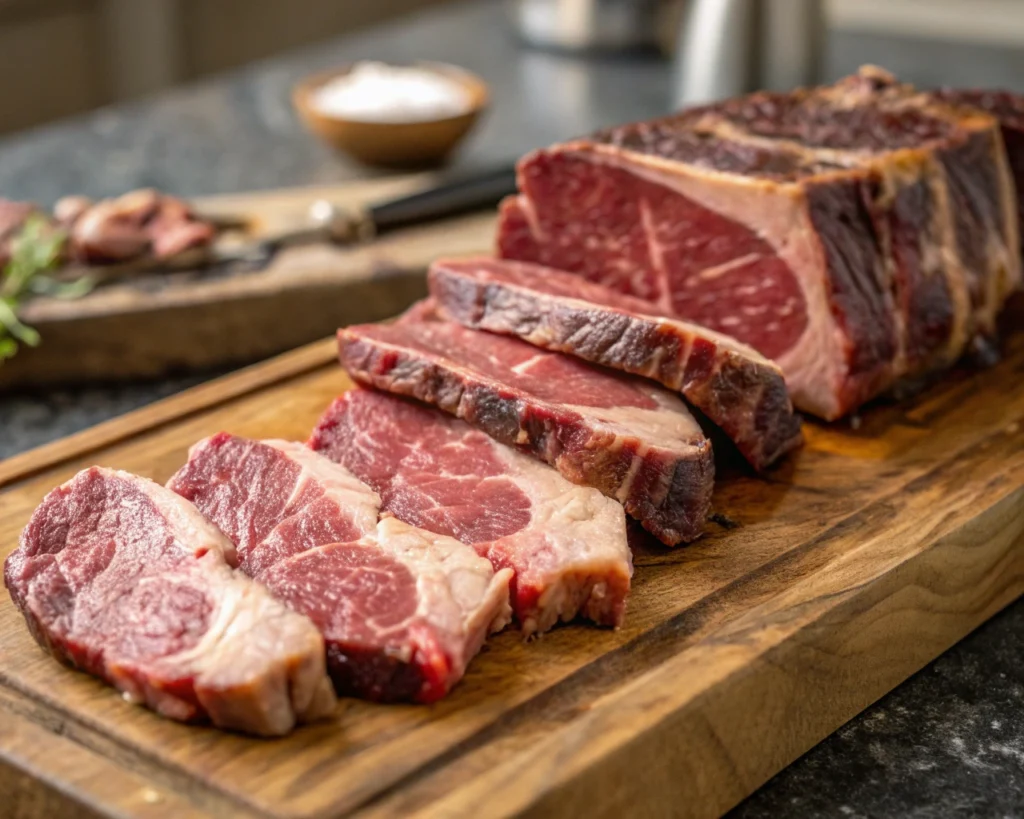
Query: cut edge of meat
(669, 491)
(440, 641)
(237, 675)
(731, 383)
(571, 556)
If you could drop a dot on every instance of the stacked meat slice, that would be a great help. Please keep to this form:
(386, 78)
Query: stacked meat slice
(632, 440)
(565, 543)
(126, 580)
(402, 611)
(733, 385)
(857, 234)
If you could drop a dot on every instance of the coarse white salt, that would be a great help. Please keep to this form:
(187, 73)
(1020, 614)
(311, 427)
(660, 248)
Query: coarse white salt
(376, 92)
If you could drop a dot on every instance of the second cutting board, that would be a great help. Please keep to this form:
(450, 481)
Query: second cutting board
(154, 325)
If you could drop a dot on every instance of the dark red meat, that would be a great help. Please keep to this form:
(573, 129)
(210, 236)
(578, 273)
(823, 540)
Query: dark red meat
(857, 234)
(402, 611)
(732, 384)
(1008, 108)
(125, 580)
(565, 543)
(634, 442)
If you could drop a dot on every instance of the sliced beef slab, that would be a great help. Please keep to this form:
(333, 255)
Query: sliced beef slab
(127, 581)
(856, 234)
(632, 440)
(732, 384)
(565, 543)
(402, 610)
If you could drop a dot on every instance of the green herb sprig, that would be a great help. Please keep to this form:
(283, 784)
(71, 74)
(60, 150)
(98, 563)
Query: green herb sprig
(35, 253)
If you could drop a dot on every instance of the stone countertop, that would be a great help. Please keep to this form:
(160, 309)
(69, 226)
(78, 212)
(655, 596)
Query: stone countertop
(949, 741)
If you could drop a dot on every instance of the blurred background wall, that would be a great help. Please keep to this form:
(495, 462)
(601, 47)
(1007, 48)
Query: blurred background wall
(60, 57)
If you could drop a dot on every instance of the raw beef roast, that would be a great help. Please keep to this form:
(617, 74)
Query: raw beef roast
(565, 543)
(126, 580)
(732, 384)
(856, 234)
(635, 442)
(402, 610)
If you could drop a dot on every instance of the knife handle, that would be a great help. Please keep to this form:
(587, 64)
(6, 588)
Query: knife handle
(459, 195)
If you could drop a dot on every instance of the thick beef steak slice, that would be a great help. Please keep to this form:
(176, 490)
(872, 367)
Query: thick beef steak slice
(634, 441)
(565, 543)
(732, 384)
(402, 611)
(127, 581)
(856, 234)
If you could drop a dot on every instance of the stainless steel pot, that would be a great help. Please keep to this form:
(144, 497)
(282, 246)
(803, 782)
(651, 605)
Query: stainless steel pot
(583, 25)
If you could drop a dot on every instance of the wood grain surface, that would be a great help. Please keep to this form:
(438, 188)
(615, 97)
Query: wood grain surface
(823, 586)
(158, 324)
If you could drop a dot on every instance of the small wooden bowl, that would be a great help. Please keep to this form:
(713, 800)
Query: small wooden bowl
(392, 144)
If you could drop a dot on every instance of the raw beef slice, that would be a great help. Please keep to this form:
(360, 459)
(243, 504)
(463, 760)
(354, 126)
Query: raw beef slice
(402, 610)
(732, 384)
(635, 442)
(856, 234)
(274, 498)
(565, 543)
(127, 581)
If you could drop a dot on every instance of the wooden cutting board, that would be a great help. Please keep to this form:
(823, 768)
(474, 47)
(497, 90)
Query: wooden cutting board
(165, 323)
(861, 559)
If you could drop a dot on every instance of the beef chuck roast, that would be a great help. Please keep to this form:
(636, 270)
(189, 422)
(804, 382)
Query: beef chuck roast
(856, 234)
(632, 440)
(402, 610)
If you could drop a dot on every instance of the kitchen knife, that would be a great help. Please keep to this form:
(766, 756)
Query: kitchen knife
(457, 195)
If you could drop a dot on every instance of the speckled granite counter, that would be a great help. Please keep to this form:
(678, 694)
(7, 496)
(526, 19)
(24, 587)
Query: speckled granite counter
(949, 742)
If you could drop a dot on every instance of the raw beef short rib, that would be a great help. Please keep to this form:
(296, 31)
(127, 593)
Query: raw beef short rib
(856, 234)
(127, 581)
(732, 384)
(565, 543)
(635, 442)
(402, 610)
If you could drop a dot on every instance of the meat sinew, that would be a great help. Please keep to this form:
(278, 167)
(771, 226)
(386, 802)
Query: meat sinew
(566, 543)
(856, 234)
(402, 610)
(632, 440)
(1008, 108)
(127, 581)
(732, 384)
